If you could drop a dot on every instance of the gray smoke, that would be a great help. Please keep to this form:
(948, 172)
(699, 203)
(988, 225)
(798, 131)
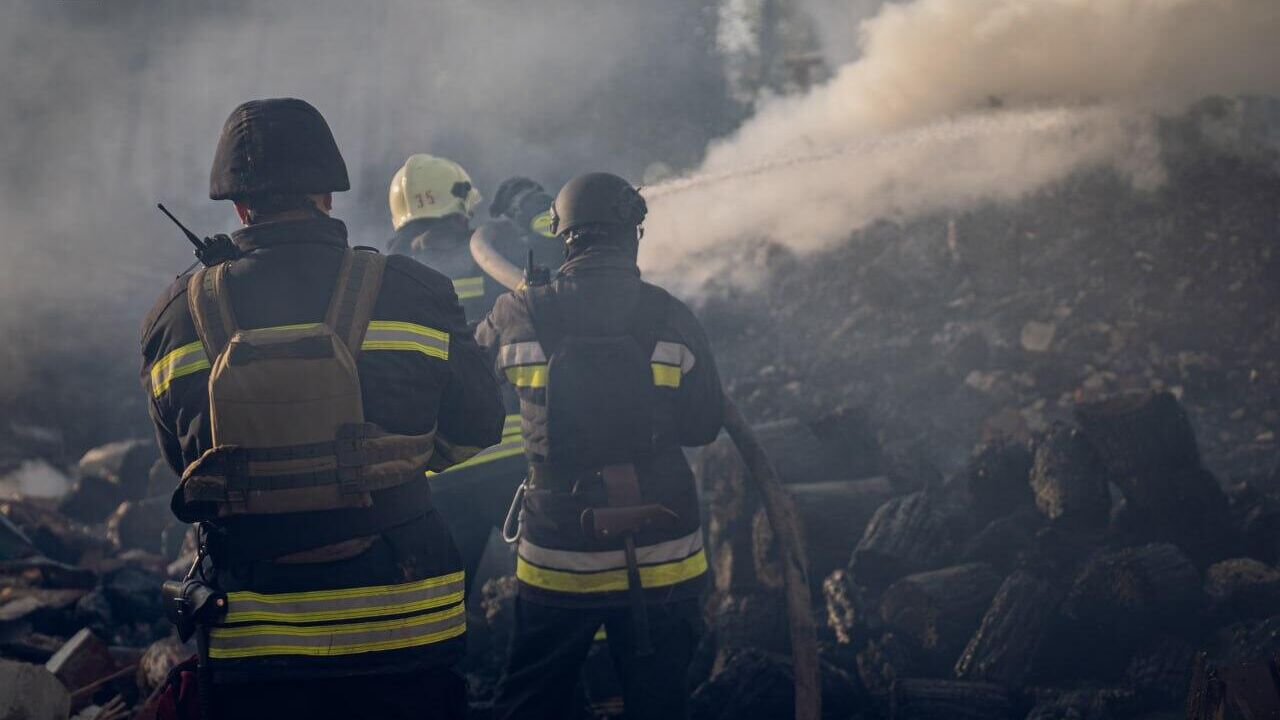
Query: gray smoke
(909, 127)
(109, 107)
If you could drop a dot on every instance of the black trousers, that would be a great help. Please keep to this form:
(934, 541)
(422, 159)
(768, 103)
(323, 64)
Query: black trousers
(439, 694)
(474, 501)
(549, 644)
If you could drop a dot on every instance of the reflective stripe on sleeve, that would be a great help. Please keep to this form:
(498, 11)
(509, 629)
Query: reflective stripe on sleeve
(404, 336)
(665, 375)
(674, 354)
(527, 376)
(670, 362)
(381, 617)
(188, 359)
(469, 288)
(661, 564)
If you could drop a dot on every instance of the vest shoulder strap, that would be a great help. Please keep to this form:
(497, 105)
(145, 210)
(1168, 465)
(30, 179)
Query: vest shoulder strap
(646, 323)
(354, 296)
(211, 311)
(650, 316)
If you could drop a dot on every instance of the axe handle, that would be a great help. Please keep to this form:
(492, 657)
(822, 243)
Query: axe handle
(785, 521)
(639, 612)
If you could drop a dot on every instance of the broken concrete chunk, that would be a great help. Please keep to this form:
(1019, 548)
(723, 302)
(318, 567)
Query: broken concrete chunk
(127, 463)
(81, 660)
(1037, 336)
(30, 692)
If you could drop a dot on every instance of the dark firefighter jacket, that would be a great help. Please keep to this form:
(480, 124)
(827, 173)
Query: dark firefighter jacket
(556, 563)
(398, 603)
(452, 257)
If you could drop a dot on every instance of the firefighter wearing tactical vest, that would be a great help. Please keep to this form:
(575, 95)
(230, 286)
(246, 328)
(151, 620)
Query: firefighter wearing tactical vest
(301, 390)
(614, 377)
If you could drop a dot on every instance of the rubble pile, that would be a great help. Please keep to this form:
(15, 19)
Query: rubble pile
(81, 619)
(1052, 491)
(1080, 574)
(995, 321)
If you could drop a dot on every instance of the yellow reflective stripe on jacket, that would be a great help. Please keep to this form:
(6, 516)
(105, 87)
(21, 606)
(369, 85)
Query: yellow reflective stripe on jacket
(188, 359)
(405, 336)
(342, 639)
(469, 287)
(527, 376)
(670, 362)
(574, 571)
(512, 443)
(382, 617)
(665, 375)
(344, 604)
(652, 576)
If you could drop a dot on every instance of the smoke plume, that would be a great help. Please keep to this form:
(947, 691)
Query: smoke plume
(955, 103)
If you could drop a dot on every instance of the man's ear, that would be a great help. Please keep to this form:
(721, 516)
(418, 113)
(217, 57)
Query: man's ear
(243, 213)
(324, 202)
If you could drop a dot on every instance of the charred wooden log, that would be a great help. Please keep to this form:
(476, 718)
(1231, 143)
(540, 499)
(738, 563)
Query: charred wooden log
(1010, 634)
(1088, 704)
(883, 661)
(1160, 673)
(1147, 443)
(754, 685)
(1119, 602)
(1070, 481)
(1135, 591)
(997, 479)
(748, 620)
(1140, 434)
(831, 468)
(846, 607)
(907, 535)
(1242, 588)
(733, 502)
(834, 515)
(940, 609)
(840, 445)
(928, 699)
(1003, 540)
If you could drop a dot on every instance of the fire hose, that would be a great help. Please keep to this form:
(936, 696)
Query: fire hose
(778, 505)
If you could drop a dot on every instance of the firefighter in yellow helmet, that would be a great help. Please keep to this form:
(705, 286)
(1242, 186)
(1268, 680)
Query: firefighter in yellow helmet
(432, 200)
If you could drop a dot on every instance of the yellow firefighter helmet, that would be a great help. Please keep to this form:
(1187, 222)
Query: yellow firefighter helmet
(430, 187)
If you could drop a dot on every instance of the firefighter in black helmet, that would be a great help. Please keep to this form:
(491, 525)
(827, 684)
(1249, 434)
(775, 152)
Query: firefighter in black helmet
(521, 212)
(302, 389)
(614, 376)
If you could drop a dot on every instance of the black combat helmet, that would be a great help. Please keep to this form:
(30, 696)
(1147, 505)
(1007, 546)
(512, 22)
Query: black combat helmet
(279, 146)
(596, 199)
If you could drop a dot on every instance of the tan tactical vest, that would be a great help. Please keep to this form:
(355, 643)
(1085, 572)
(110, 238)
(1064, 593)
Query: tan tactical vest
(285, 408)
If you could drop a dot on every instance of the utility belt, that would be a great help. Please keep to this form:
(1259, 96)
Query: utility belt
(604, 506)
(340, 474)
(600, 505)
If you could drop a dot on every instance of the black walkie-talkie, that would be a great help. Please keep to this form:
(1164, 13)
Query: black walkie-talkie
(535, 274)
(209, 251)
